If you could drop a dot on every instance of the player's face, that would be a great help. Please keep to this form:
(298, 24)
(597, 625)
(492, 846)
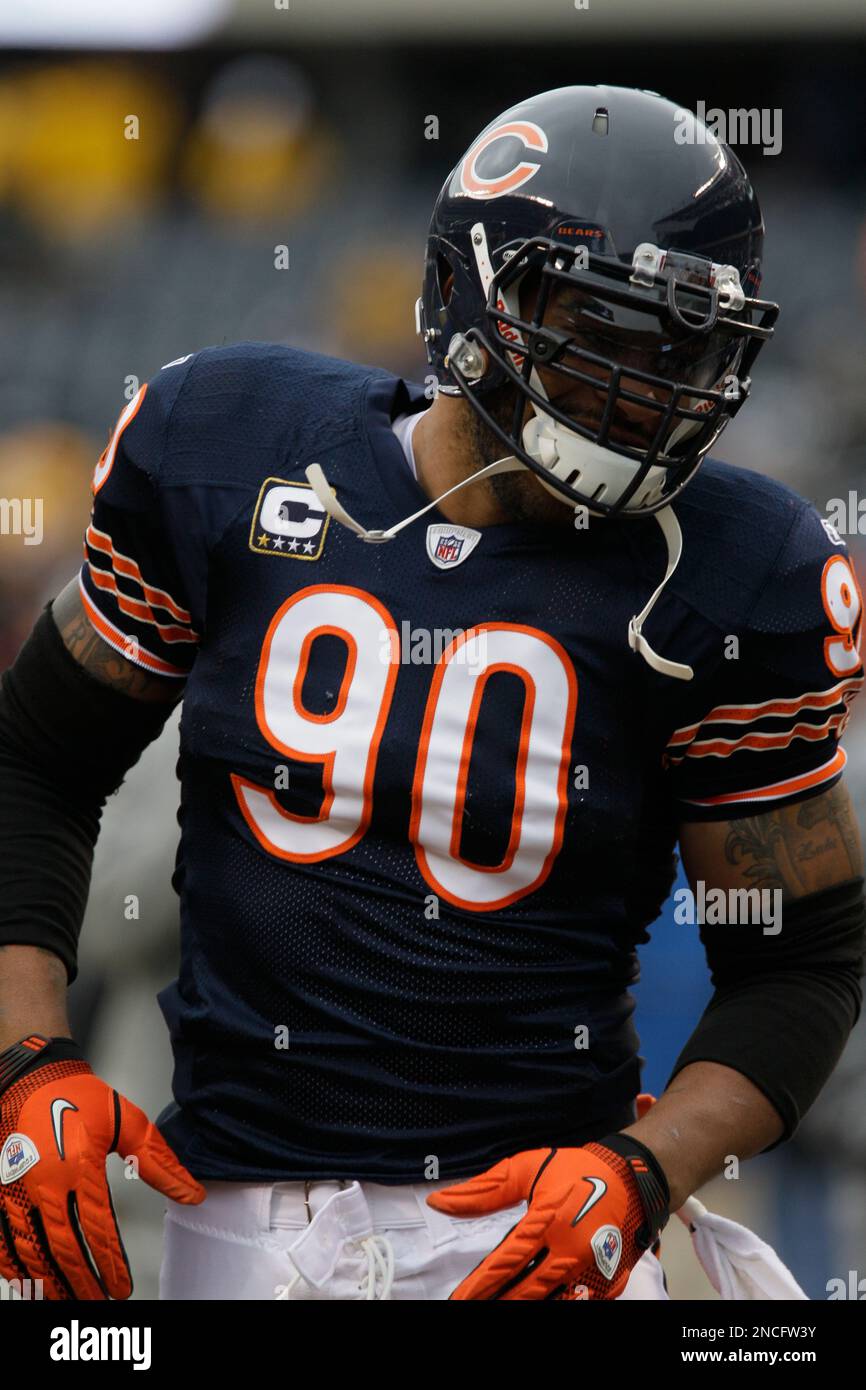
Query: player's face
(634, 340)
(521, 494)
(635, 345)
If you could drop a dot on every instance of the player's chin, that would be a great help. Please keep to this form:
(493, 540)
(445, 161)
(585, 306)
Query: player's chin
(525, 500)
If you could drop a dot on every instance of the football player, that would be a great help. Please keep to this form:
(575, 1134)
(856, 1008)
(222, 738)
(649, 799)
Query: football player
(456, 679)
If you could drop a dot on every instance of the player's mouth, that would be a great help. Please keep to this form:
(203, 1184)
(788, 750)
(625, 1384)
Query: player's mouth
(588, 413)
(620, 433)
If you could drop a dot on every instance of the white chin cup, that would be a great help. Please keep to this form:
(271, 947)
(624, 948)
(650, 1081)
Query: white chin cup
(597, 472)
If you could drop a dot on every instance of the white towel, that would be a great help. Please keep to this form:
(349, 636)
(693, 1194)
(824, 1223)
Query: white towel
(738, 1264)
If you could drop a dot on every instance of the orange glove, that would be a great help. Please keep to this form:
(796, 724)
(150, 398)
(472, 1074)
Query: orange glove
(58, 1122)
(592, 1212)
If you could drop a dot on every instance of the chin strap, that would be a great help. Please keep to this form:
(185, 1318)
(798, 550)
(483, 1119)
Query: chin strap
(674, 540)
(325, 493)
(665, 518)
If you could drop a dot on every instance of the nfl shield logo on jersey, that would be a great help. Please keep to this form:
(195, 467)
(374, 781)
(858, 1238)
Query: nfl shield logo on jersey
(288, 520)
(449, 545)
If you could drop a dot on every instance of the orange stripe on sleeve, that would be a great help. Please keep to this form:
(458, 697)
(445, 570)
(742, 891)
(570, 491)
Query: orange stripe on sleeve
(762, 743)
(120, 641)
(122, 564)
(778, 708)
(138, 610)
(818, 699)
(776, 790)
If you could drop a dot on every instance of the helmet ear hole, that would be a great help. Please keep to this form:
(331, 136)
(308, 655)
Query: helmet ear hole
(444, 278)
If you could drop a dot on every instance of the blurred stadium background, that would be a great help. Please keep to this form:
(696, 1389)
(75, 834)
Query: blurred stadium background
(152, 157)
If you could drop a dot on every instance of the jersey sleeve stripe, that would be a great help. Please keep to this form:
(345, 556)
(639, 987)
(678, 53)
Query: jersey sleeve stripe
(775, 708)
(142, 612)
(684, 735)
(128, 569)
(792, 786)
(130, 648)
(758, 742)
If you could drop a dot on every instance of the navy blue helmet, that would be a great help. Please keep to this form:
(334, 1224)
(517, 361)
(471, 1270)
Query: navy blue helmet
(628, 213)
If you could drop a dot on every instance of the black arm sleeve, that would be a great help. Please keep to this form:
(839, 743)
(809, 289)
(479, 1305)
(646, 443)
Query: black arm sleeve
(784, 1005)
(66, 743)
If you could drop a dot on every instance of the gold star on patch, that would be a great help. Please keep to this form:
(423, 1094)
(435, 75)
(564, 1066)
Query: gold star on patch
(262, 540)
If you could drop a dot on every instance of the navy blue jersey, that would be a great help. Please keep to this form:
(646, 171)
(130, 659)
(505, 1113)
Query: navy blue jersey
(429, 796)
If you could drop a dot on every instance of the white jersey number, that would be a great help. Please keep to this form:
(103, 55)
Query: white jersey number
(345, 742)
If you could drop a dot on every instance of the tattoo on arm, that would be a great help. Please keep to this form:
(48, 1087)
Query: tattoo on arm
(836, 808)
(800, 848)
(755, 845)
(99, 659)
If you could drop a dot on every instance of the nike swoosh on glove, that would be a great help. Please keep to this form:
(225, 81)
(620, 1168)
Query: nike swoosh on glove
(592, 1212)
(58, 1123)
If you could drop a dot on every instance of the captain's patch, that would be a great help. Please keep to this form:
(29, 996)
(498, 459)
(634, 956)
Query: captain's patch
(288, 520)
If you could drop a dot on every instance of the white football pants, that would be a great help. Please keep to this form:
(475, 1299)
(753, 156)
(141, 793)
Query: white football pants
(327, 1240)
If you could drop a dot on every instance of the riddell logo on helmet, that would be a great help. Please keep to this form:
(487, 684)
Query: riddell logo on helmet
(479, 186)
(505, 329)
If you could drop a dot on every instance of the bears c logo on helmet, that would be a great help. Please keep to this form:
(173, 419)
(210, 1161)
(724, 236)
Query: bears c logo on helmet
(477, 186)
